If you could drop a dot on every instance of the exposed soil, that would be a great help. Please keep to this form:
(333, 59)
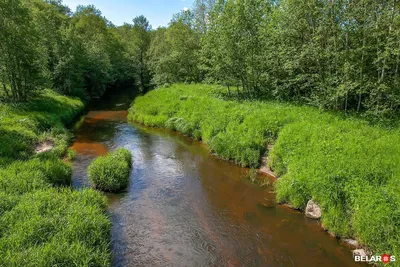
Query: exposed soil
(44, 146)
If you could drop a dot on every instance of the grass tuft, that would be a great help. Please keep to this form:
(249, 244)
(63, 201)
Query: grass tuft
(111, 172)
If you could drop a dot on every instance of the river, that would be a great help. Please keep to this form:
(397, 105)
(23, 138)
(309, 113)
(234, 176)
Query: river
(185, 207)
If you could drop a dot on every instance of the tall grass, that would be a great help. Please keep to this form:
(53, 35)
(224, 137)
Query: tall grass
(350, 167)
(56, 228)
(42, 221)
(26, 124)
(111, 172)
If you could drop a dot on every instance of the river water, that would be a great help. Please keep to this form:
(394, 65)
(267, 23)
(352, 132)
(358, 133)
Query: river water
(185, 207)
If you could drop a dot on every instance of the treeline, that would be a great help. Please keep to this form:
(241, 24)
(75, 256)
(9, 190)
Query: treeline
(334, 54)
(44, 45)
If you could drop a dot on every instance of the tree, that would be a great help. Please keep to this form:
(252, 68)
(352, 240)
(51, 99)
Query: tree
(141, 34)
(21, 56)
(91, 30)
(342, 55)
(232, 49)
(173, 53)
(202, 10)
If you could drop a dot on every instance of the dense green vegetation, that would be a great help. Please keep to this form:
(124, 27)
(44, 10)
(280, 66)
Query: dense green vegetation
(337, 55)
(111, 172)
(42, 221)
(44, 45)
(332, 54)
(351, 168)
(55, 227)
(23, 125)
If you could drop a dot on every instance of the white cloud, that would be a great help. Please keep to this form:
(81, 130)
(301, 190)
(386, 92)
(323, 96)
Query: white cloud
(185, 9)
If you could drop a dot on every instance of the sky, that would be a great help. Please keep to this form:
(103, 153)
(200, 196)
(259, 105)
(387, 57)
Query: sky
(158, 12)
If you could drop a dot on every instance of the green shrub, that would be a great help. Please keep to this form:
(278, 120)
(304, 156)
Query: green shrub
(111, 172)
(348, 165)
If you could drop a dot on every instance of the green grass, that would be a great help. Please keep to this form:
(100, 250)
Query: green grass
(111, 172)
(71, 154)
(42, 221)
(346, 164)
(56, 228)
(43, 118)
(39, 173)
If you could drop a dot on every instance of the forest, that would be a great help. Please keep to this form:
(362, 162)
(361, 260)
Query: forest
(336, 55)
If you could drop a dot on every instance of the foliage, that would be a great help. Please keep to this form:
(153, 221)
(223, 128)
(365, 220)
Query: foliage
(331, 54)
(172, 54)
(111, 172)
(78, 54)
(21, 57)
(232, 51)
(141, 32)
(344, 163)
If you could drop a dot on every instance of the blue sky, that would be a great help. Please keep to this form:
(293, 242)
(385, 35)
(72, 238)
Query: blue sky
(158, 12)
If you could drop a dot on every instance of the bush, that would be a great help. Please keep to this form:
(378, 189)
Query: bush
(111, 172)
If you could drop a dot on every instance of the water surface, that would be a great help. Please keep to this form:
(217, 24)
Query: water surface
(185, 207)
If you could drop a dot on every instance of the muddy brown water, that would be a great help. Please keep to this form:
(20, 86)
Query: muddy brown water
(185, 207)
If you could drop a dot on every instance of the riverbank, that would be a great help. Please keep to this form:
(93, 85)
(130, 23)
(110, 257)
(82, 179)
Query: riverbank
(348, 166)
(43, 221)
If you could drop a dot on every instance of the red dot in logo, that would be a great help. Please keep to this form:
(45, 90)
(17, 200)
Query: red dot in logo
(385, 258)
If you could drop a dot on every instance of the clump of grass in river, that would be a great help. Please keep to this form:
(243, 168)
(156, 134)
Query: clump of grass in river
(111, 172)
(348, 165)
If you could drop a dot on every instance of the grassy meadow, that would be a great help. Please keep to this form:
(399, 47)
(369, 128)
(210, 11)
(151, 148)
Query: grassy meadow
(43, 222)
(350, 166)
